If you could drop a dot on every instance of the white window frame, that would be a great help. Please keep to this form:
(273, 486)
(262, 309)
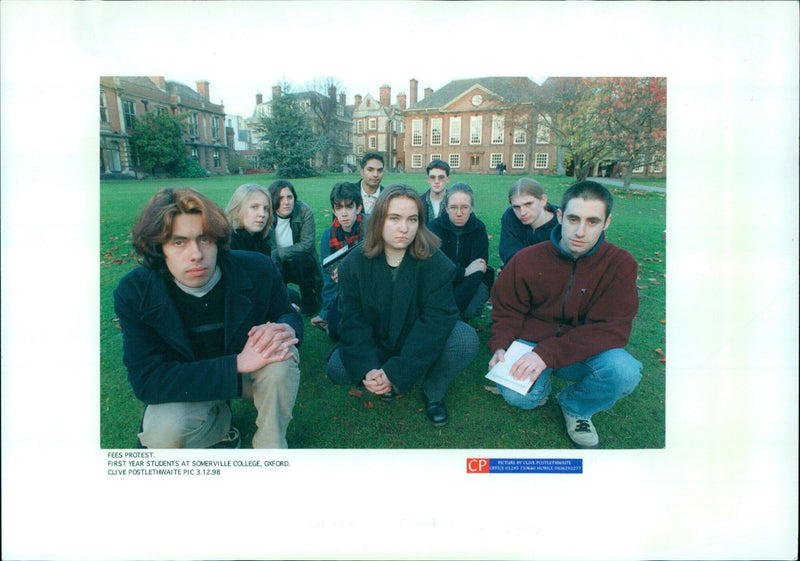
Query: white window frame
(192, 123)
(373, 142)
(436, 132)
(518, 160)
(658, 164)
(638, 164)
(360, 150)
(454, 161)
(495, 159)
(103, 107)
(498, 128)
(215, 128)
(520, 136)
(217, 157)
(128, 117)
(543, 130)
(435, 157)
(541, 159)
(455, 130)
(360, 126)
(416, 132)
(416, 160)
(475, 129)
(372, 124)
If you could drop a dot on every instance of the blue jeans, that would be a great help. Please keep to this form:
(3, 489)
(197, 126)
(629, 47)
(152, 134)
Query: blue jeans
(600, 381)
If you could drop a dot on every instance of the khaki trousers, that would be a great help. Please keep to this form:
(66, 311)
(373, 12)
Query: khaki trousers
(273, 390)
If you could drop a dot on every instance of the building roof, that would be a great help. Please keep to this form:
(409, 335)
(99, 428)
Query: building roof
(512, 89)
(185, 91)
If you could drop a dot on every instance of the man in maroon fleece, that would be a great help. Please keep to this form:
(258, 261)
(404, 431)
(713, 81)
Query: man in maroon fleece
(574, 299)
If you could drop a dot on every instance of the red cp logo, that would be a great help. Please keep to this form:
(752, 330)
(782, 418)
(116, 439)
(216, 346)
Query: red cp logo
(477, 465)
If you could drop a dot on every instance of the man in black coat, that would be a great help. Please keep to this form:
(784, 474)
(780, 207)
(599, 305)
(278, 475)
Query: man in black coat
(202, 325)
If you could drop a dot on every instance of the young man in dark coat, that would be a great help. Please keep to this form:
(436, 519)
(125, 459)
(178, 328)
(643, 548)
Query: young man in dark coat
(202, 325)
(437, 174)
(346, 231)
(371, 169)
(574, 298)
(528, 220)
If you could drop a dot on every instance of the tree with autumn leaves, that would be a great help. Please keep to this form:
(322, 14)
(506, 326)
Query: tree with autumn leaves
(593, 119)
(634, 116)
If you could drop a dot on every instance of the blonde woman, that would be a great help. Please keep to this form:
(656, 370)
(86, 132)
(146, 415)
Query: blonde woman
(250, 214)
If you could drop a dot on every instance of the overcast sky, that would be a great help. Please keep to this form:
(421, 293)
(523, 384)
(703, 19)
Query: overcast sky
(246, 48)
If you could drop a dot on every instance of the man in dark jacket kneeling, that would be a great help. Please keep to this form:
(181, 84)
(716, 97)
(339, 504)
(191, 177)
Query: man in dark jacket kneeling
(202, 325)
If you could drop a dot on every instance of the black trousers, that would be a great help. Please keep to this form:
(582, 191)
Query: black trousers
(304, 271)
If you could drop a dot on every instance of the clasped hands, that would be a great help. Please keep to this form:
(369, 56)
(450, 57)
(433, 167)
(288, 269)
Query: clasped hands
(377, 382)
(267, 343)
(529, 364)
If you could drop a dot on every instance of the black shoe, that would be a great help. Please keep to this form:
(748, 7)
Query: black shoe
(388, 396)
(232, 440)
(436, 412)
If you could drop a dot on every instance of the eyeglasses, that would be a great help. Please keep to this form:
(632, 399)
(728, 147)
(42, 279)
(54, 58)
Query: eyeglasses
(463, 209)
(437, 177)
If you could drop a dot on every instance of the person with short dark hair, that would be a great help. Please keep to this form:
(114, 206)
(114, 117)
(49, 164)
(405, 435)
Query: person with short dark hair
(292, 239)
(348, 229)
(201, 325)
(574, 299)
(466, 243)
(399, 319)
(528, 220)
(371, 167)
(437, 174)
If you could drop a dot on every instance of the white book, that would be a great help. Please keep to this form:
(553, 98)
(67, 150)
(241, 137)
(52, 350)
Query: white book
(501, 372)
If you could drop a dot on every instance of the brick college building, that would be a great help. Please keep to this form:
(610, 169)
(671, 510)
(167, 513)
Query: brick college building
(476, 124)
(123, 98)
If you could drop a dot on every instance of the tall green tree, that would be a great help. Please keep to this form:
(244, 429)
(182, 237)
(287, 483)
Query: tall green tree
(157, 139)
(289, 140)
(329, 121)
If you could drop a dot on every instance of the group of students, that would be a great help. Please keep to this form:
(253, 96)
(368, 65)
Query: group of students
(207, 318)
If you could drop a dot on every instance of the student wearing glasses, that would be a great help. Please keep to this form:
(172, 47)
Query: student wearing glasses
(466, 243)
(435, 198)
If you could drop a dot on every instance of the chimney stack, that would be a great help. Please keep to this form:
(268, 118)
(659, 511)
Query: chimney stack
(401, 101)
(259, 99)
(202, 89)
(428, 91)
(386, 95)
(276, 92)
(159, 81)
(412, 101)
(358, 100)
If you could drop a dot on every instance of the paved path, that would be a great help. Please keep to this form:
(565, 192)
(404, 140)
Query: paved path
(618, 183)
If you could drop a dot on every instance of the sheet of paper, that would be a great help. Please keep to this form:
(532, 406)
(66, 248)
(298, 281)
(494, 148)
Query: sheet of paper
(500, 372)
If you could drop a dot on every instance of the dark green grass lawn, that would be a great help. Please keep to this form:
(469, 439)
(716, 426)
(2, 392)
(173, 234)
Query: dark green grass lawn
(328, 416)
